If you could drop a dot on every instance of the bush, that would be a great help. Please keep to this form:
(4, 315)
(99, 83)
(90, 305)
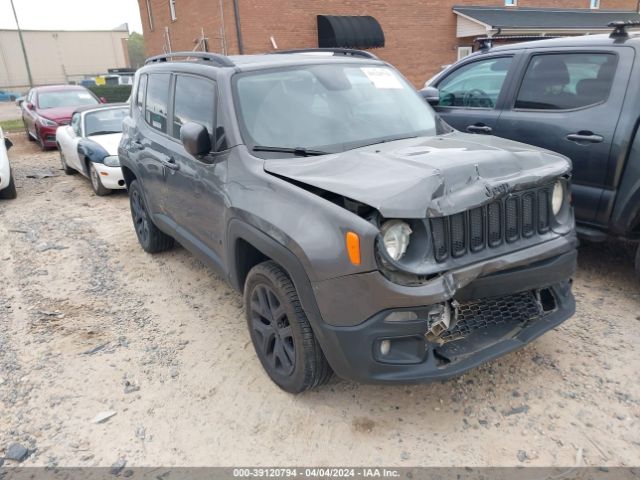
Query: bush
(112, 93)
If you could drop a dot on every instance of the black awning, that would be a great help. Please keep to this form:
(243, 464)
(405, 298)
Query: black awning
(349, 32)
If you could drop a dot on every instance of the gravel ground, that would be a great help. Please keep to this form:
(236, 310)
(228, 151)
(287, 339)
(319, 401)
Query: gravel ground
(91, 325)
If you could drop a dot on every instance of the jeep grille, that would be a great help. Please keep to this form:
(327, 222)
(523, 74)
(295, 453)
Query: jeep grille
(516, 216)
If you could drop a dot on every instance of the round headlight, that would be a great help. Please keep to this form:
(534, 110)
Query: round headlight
(557, 198)
(112, 161)
(395, 237)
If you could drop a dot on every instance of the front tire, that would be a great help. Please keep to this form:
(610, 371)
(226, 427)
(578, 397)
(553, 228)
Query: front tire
(96, 183)
(68, 170)
(151, 239)
(10, 192)
(26, 131)
(280, 331)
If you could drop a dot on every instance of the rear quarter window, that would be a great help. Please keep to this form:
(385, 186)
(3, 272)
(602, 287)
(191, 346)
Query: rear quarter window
(157, 101)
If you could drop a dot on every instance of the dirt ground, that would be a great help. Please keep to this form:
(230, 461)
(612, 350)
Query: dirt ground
(90, 323)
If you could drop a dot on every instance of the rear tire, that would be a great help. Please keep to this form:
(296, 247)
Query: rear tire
(280, 330)
(151, 239)
(96, 183)
(10, 192)
(637, 262)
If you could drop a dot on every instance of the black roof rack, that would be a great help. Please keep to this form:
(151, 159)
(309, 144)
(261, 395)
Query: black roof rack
(347, 52)
(215, 58)
(620, 28)
(486, 43)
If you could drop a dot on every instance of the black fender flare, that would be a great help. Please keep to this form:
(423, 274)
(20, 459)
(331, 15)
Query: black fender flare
(239, 230)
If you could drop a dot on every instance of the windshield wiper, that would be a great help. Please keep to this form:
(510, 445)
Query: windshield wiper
(383, 140)
(104, 132)
(297, 151)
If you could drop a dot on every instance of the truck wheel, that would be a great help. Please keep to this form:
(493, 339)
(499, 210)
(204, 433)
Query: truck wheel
(96, 183)
(10, 191)
(151, 239)
(280, 331)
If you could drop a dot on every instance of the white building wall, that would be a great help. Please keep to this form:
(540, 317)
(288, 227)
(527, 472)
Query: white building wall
(59, 56)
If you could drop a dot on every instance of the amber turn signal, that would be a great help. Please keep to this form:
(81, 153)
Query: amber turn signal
(353, 247)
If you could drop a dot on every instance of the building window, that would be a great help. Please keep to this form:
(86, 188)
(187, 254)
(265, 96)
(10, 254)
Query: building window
(510, 3)
(595, 4)
(150, 14)
(464, 52)
(172, 10)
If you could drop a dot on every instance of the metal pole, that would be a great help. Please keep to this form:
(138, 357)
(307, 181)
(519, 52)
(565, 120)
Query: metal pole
(236, 11)
(24, 50)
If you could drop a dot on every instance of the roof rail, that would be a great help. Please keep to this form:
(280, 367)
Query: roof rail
(347, 52)
(486, 43)
(215, 58)
(620, 28)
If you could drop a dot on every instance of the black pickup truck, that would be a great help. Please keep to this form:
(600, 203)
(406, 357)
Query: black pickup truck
(577, 96)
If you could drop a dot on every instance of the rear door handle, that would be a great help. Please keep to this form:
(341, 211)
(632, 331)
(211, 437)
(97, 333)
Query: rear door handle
(479, 128)
(589, 137)
(137, 146)
(171, 164)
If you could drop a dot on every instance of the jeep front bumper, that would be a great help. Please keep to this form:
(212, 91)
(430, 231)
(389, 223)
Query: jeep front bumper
(501, 305)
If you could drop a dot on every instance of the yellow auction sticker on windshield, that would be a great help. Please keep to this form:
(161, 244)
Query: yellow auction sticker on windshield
(382, 77)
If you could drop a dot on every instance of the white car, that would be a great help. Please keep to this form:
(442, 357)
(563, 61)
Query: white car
(89, 145)
(7, 186)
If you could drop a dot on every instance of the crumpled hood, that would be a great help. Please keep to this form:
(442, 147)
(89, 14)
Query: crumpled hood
(427, 176)
(109, 142)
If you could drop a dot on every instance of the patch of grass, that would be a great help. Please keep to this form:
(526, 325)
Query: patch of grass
(11, 125)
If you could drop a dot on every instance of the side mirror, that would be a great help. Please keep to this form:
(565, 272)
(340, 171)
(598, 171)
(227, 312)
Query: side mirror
(31, 106)
(431, 95)
(195, 138)
(103, 100)
(7, 143)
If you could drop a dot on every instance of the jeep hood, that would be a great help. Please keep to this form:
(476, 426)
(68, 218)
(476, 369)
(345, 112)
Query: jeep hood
(426, 176)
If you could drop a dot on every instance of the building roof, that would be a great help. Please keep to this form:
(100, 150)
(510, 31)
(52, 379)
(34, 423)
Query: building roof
(544, 18)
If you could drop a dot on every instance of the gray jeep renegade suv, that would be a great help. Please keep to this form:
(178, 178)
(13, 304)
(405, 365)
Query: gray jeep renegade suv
(368, 237)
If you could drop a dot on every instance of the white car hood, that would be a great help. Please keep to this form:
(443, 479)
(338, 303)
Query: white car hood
(109, 142)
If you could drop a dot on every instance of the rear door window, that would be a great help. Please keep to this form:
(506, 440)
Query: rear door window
(566, 81)
(157, 101)
(475, 85)
(195, 101)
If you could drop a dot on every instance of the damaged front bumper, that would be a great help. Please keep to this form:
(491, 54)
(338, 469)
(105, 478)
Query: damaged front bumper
(497, 306)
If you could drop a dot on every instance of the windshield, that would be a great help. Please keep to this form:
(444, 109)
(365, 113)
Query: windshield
(65, 98)
(329, 108)
(102, 122)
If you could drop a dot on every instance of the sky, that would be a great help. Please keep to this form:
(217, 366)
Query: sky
(71, 14)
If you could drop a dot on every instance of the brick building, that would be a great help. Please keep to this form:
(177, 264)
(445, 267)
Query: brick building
(419, 36)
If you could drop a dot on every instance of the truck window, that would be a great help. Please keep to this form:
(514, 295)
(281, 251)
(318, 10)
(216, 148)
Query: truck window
(475, 85)
(195, 100)
(567, 81)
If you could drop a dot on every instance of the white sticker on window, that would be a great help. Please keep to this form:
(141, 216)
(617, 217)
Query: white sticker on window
(382, 77)
(84, 95)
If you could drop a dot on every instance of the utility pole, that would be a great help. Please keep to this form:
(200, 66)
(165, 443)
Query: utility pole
(24, 50)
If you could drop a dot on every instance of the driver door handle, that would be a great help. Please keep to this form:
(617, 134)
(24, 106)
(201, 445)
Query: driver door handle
(585, 137)
(479, 128)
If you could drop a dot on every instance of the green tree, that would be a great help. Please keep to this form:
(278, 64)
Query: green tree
(136, 49)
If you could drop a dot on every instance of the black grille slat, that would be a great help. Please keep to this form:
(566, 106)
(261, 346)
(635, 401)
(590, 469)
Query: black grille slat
(476, 229)
(440, 242)
(495, 224)
(519, 215)
(528, 215)
(543, 211)
(511, 232)
(458, 235)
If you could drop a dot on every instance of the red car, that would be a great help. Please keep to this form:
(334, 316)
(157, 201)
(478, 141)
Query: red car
(46, 108)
